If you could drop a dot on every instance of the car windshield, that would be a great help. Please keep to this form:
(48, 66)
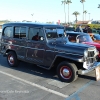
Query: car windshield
(54, 32)
(97, 37)
(84, 38)
(69, 28)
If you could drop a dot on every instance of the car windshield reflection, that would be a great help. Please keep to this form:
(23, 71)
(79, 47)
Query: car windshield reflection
(84, 38)
(54, 33)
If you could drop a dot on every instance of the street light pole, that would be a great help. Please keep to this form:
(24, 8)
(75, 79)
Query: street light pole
(83, 12)
(89, 16)
(82, 1)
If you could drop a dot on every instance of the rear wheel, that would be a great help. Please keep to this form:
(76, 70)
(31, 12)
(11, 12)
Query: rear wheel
(12, 59)
(67, 72)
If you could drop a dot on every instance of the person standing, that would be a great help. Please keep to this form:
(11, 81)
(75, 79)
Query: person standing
(89, 30)
(85, 29)
(79, 29)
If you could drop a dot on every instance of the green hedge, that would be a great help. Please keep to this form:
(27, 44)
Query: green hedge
(96, 26)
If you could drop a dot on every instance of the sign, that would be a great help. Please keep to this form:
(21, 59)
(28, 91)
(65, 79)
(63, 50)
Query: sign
(59, 22)
(97, 73)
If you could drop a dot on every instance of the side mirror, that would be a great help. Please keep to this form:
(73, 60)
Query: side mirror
(41, 38)
(77, 39)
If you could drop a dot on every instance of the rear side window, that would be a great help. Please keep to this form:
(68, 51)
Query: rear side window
(20, 32)
(36, 34)
(8, 32)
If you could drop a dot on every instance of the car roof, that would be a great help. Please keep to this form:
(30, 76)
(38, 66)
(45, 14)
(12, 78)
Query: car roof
(96, 34)
(32, 24)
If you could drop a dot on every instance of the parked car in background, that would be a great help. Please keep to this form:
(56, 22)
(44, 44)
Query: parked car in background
(95, 37)
(95, 31)
(78, 37)
(69, 28)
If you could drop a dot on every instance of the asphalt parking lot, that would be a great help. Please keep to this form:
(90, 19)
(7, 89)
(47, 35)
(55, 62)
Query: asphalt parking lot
(29, 82)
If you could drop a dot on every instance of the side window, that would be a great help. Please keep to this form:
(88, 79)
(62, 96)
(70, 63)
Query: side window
(17, 32)
(8, 32)
(20, 32)
(72, 38)
(23, 32)
(36, 34)
(41, 35)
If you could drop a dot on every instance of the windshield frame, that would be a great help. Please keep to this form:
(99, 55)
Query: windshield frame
(54, 31)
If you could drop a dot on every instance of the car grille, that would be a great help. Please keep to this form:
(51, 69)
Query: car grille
(91, 53)
(91, 58)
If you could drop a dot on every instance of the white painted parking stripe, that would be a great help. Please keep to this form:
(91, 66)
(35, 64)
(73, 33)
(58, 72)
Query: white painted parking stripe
(36, 85)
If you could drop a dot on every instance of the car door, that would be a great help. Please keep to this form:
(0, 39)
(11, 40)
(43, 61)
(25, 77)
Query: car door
(20, 41)
(35, 46)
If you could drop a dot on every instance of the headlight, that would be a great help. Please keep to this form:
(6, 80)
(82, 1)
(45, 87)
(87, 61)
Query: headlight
(96, 52)
(85, 53)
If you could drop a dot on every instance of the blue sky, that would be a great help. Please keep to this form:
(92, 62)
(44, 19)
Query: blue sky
(46, 10)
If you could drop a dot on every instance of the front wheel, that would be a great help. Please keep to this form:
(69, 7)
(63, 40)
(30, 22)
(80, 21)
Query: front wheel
(12, 59)
(67, 72)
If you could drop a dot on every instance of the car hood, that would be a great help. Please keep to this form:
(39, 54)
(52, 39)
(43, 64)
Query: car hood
(97, 45)
(69, 47)
(75, 48)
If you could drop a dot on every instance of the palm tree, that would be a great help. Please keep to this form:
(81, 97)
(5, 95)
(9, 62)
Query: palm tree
(82, 1)
(68, 2)
(64, 2)
(76, 13)
(85, 12)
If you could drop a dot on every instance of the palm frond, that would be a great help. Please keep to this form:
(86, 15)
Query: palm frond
(85, 11)
(82, 1)
(68, 2)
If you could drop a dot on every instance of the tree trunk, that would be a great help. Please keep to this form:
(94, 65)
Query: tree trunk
(65, 13)
(76, 19)
(68, 13)
(83, 12)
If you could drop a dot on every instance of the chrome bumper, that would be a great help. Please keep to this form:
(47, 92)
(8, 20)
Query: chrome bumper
(91, 68)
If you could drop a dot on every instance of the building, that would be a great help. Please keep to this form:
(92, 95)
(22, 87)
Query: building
(83, 22)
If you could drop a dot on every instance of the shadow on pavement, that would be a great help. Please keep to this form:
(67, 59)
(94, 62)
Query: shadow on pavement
(31, 69)
(35, 70)
(87, 77)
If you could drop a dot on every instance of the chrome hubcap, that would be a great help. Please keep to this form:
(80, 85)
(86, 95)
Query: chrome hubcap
(11, 60)
(66, 72)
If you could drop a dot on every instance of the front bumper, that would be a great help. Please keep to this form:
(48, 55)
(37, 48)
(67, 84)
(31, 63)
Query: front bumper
(91, 68)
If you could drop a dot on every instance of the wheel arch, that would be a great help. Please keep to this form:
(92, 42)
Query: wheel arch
(10, 51)
(59, 59)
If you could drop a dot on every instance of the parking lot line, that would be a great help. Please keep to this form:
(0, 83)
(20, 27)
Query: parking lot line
(75, 94)
(36, 85)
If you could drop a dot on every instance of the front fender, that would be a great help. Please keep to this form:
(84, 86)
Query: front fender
(74, 57)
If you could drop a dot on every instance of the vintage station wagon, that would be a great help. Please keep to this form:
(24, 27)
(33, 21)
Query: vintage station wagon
(46, 46)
